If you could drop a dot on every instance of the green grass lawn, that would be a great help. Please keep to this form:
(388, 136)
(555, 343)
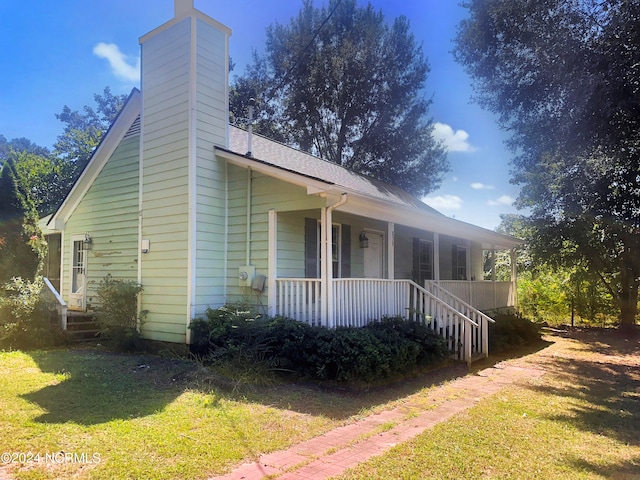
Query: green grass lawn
(145, 417)
(153, 417)
(580, 421)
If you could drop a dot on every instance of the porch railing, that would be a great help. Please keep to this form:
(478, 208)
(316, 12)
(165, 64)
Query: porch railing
(483, 294)
(481, 333)
(358, 301)
(299, 298)
(53, 300)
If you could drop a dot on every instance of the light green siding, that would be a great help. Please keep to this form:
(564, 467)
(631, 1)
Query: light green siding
(211, 125)
(290, 201)
(165, 182)
(109, 214)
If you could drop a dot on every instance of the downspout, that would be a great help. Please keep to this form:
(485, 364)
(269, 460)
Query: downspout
(249, 154)
(327, 270)
(248, 242)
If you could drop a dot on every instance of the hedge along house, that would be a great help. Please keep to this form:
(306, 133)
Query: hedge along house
(202, 213)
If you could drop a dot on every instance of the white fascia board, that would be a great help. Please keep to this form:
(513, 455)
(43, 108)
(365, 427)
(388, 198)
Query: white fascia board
(98, 160)
(365, 206)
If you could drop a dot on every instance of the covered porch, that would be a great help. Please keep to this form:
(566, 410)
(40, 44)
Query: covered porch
(359, 266)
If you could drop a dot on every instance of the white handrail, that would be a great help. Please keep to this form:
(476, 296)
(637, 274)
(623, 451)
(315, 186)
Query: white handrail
(459, 300)
(443, 303)
(61, 304)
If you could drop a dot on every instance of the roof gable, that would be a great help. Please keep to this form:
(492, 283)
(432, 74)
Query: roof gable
(126, 124)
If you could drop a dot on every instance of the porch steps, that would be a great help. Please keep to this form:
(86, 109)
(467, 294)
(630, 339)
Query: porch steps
(82, 326)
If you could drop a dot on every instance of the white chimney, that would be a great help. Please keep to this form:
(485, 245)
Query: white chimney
(182, 8)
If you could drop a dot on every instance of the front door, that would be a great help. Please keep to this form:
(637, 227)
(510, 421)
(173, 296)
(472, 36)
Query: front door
(374, 255)
(78, 283)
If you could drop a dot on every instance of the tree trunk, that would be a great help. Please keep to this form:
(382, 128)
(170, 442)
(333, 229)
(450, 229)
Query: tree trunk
(628, 300)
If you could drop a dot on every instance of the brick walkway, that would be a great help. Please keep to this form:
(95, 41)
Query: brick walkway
(330, 454)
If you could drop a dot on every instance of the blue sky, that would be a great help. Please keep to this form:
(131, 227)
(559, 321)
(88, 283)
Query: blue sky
(62, 52)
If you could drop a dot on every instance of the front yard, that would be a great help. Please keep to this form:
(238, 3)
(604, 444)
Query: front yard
(130, 416)
(102, 415)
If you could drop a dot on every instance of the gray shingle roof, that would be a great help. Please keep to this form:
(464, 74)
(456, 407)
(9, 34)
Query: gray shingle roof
(287, 158)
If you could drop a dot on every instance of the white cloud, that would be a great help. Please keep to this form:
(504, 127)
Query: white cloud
(120, 63)
(481, 186)
(454, 141)
(500, 201)
(444, 202)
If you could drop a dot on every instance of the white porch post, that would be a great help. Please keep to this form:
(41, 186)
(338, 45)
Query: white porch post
(493, 276)
(493, 263)
(514, 277)
(273, 263)
(436, 257)
(327, 255)
(328, 265)
(324, 280)
(390, 251)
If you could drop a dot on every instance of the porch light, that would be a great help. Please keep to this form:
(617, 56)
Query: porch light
(364, 241)
(87, 242)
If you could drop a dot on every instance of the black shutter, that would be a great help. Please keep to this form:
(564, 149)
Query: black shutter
(415, 273)
(345, 251)
(310, 248)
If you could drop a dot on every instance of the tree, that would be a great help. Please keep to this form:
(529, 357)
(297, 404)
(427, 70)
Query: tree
(46, 179)
(83, 131)
(563, 76)
(20, 145)
(22, 248)
(343, 84)
(549, 291)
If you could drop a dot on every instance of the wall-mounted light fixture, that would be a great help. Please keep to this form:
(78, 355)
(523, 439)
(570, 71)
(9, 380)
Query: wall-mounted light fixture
(364, 241)
(87, 241)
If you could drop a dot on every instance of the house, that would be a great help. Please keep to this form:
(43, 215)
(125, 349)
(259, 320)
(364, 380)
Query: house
(202, 213)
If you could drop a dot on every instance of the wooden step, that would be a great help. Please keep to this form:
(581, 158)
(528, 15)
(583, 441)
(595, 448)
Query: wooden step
(82, 326)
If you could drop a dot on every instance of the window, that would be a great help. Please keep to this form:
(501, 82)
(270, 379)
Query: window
(425, 261)
(77, 269)
(459, 255)
(340, 246)
(335, 248)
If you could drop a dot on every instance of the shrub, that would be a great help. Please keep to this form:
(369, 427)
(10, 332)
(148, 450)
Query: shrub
(345, 354)
(25, 321)
(511, 330)
(117, 315)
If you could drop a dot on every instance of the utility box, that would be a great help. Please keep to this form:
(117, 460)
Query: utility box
(246, 274)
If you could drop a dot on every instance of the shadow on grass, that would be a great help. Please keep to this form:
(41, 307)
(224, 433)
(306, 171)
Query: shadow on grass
(604, 376)
(620, 471)
(96, 387)
(340, 403)
(606, 341)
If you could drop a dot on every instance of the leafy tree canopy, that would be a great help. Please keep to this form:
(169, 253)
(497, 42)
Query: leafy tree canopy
(83, 131)
(47, 177)
(564, 78)
(22, 248)
(342, 83)
(20, 145)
